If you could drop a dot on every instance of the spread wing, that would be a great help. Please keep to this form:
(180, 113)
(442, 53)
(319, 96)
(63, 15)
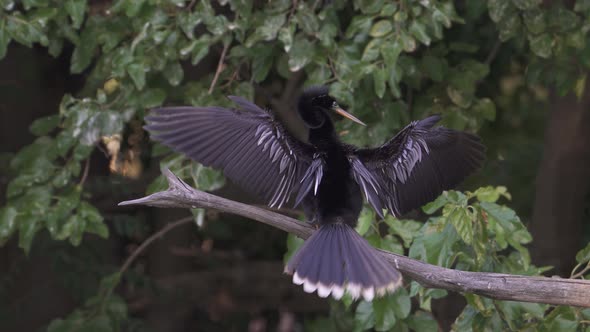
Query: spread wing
(249, 145)
(415, 166)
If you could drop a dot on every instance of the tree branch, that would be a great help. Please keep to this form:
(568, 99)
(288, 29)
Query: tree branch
(557, 291)
(220, 67)
(151, 239)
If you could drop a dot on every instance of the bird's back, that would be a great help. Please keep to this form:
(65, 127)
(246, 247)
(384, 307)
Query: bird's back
(339, 196)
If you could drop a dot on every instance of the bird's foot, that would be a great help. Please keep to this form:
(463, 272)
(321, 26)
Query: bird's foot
(315, 223)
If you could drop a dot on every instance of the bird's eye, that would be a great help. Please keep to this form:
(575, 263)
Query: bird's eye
(334, 104)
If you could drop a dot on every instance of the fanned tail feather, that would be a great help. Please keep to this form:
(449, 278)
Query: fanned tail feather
(336, 259)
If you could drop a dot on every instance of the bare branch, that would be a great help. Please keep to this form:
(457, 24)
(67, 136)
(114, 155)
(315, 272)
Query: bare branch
(151, 239)
(557, 291)
(220, 67)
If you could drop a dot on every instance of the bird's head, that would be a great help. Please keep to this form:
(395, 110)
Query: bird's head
(314, 105)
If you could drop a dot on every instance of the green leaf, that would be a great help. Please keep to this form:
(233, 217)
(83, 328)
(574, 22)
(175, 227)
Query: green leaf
(370, 6)
(371, 51)
(268, 30)
(379, 82)
(433, 206)
(65, 205)
(486, 108)
(408, 43)
(28, 225)
(293, 244)
(84, 51)
(422, 322)
(364, 317)
(388, 9)
(418, 30)
(381, 28)
(406, 229)
(174, 73)
(76, 10)
(153, 97)
(510, 27)
(505, 216)
(390, 51)
(7, 223)
(499, 9)
(307, 20)
(384, 312)
(487, 194)
(262, 64)
(132, 7)
(301, 54)
(4, 39)
(395, 76)
(581, 257)
(286, 36)
(563, 20)
(460, 98)
(73, 228)
(435, 246)
(206, 178)
(200, 49)
(137, 73)
(44, 125)
(187, 22)
(541, 45)
(402, 304)
(535, 21)
(358, 24)
(94, 221)
(217, 25)
(463, 224)
(342, 93)
(365, 221)
(560, 319)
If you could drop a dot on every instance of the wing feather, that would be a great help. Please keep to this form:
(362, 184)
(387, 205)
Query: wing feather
(415, 166)
(248, 144)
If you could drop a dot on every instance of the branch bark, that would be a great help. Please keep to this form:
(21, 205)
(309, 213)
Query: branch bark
(557, 291)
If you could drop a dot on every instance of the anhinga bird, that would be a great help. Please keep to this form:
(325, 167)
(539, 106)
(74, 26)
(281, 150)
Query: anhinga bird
(326, 176)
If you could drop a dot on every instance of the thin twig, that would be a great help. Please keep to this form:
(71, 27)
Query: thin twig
(293, 8)
(190, 5)
(85, 173)
(581, 273)
(219, 68)
(493, 52)
(151, 239)
(333, 69)
(557, 291)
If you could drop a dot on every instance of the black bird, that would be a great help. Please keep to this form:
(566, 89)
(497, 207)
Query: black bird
(326, 176)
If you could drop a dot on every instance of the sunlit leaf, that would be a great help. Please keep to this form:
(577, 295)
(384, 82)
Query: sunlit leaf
(381, 28)
(7, 223)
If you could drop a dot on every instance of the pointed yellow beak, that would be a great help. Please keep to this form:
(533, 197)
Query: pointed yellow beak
(347, 115)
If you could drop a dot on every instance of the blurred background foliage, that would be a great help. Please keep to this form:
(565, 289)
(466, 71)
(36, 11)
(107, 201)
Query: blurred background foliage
(78, 76)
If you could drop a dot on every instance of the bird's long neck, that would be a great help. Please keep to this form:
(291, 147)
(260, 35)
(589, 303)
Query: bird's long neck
(324, 137)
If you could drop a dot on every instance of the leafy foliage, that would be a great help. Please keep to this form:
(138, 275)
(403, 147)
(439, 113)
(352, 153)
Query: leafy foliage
(388, 62)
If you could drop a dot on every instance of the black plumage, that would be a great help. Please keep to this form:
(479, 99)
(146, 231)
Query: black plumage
(328, 177)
